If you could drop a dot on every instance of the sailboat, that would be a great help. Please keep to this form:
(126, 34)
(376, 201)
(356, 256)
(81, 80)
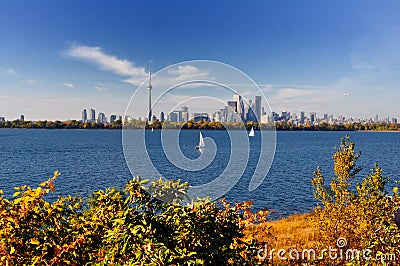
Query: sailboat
(251, 134)
(152, 129)
(201, 143)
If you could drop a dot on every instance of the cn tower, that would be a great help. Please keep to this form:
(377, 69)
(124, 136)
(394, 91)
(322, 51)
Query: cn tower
(149, 89)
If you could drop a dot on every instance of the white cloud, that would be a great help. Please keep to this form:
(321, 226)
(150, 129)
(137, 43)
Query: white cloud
(185, 72)
(69, 85)
(292, 93)
(30, 81)
(99, 88)
(7, 71)
(119, 66)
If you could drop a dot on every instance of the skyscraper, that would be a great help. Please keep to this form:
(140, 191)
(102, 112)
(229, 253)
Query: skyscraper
(233, 106)
(22, 118)
(185, 114)
(257, 107)
(102, 118)
(149, 88)
(302, 117)
(162, 117)
(84, 116)
(313, 117)
(239, 105)
(92, 115)
(113, 118)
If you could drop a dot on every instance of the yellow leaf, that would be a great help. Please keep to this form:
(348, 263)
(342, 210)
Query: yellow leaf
(35, 241)
(12, 250)
(16, 194)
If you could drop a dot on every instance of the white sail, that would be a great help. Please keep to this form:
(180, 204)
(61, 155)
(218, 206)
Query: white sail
(201, 141)
(251, 134)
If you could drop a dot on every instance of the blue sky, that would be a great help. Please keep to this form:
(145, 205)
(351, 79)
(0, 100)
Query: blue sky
(58, 57)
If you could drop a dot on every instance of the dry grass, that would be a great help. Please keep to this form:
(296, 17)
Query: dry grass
(294, 232)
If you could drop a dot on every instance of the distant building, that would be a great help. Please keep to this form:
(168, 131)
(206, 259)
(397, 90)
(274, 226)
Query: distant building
(293, 117)
(251, 116)
(239, 105)
(102, 118)
(113, 118)
(201, 117)
(233, 106)
(313, 117)
(92, 115)
(162, 117)
(302, 117)
(257, 107)
(2, 119)
(22, 118)
(84, 116)
(184, 114)
(173, 117)
(285, 116)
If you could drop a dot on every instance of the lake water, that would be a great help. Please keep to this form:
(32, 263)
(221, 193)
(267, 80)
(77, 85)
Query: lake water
(90, 160)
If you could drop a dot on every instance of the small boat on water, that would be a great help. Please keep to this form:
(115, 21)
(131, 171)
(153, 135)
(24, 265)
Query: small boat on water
(251, 133)
(201, 143)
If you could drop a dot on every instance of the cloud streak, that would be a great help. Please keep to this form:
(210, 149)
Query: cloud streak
(7, 71)
(108, 62)
(69, 85)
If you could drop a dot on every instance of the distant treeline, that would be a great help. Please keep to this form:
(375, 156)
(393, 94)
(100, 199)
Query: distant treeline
(136, 124)
(284, 126)
(73, 124)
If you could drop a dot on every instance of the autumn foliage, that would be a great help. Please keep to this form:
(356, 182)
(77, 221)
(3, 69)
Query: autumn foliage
(124, 227)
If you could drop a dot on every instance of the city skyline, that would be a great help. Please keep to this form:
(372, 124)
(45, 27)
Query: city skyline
(184, 115)
(338, 57)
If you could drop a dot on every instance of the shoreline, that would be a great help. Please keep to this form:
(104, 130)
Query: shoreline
(196, 129)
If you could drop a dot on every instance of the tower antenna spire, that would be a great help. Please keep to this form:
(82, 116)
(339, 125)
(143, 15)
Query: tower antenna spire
(149, 88)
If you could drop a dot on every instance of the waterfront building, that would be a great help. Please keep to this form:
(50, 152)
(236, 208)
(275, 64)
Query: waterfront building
(102, 118)
(184, 114)
(84, 116)
(302, 117)
(92, 115)
(239, 105)
(257, 107)
(173, 117)
(313, 117)
(113, 118)
(233, 106)
(200, 117)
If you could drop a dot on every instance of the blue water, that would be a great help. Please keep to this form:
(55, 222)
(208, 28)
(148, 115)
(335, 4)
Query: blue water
(90, 160)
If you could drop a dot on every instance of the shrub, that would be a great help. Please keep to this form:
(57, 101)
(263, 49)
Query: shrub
(124, 227)
(363, 216)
